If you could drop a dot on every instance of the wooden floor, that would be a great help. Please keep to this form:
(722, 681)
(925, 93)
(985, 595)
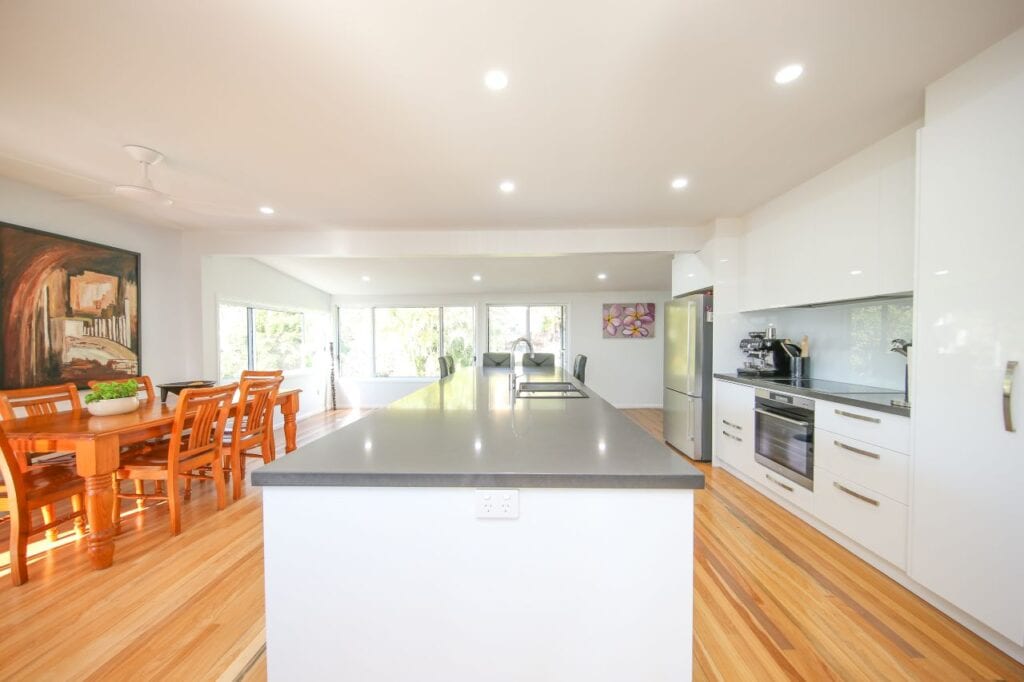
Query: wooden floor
(774, 599)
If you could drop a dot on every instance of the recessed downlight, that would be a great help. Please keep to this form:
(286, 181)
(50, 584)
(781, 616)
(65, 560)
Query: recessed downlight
(680, 183)
(856, 272)
(507, 186)
(366, 278)
(941, 273)
(267, 210)
(496, 79)
(477, 278)
(602, 275)
(788, 74)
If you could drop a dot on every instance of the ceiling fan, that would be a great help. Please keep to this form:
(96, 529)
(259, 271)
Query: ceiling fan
(144, 190)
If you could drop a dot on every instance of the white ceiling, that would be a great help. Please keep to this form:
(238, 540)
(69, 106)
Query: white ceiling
(427, 276)
(366, 115)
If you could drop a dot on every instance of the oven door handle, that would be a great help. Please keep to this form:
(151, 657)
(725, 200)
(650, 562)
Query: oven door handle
(779, 416)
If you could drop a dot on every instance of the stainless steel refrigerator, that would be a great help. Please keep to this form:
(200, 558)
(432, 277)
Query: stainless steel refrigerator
(688, 375)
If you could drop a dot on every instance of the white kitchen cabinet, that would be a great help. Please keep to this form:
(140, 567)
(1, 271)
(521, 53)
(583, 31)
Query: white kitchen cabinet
(734, 425)
(967, 521)
(877, 468)
(862, 514)
(890, 431)
(845, 234)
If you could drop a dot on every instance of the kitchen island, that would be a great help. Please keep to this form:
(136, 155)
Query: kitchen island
(463, 533)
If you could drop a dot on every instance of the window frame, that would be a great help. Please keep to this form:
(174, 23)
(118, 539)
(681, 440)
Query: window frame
(563, 327)
(374, 376)
(250, 330)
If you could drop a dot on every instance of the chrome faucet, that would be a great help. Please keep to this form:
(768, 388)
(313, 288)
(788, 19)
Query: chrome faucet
(512, 359)
(902, 347)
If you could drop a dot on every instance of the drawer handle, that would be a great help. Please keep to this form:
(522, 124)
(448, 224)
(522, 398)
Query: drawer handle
(863, 498)
(729, 435)
(780, 483)
(729, 423)
(863, 418)
(844, 446)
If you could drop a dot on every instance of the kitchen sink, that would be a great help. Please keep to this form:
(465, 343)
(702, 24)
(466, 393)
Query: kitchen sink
(549, 389)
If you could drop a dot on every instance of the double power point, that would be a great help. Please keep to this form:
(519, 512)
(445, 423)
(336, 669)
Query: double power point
(497, 504)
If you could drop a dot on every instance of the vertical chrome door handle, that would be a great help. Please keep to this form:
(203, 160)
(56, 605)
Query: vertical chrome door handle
(1011, 369)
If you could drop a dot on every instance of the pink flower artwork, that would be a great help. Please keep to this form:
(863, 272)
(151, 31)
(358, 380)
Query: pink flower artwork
(628, 320)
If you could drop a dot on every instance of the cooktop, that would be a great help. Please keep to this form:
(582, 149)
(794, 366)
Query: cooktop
(825, 386)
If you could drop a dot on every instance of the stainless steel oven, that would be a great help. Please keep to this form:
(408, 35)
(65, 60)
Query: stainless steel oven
(784, 435)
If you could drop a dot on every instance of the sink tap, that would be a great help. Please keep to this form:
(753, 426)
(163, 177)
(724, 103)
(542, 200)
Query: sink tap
(902, 347)
(512, 358)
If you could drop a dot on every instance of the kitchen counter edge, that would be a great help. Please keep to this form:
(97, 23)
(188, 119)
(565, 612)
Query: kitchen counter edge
(842, 398)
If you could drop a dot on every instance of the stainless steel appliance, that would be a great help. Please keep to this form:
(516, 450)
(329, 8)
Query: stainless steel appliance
(767, 356)
(784, 435)
(688, 375)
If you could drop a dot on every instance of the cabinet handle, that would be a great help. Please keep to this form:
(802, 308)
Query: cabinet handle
(779, 483)
(862, 417)
(863, 498)
(1011, 368)
(729, 423)
(844, 446)
(780, 417)
(729, 435)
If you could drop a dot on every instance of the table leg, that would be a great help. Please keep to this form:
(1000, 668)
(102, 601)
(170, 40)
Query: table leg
(96, 460)
(289, 409)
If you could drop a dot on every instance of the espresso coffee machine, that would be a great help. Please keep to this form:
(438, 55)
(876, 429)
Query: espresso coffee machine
(766, 355)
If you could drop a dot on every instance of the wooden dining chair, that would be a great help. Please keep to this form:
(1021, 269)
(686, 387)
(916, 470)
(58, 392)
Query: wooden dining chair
(144, 382)
(34, 402)
(262, 374)
(194, 445)
(252, 427)
(145, 387)
(23, 491)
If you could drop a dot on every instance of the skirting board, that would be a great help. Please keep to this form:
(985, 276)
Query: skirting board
(997, 640)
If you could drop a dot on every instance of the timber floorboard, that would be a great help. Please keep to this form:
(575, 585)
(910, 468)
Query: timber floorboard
(774, 599)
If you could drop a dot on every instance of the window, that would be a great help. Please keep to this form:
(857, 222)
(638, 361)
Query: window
(544, 325)
(265, 338)
(404, 341)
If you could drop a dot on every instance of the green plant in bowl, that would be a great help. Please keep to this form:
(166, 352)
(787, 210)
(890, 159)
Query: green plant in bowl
(112, 397)
(111, 390)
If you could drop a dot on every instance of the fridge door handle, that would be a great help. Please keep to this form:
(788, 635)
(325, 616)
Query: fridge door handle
(1011, 370)
(691, 332)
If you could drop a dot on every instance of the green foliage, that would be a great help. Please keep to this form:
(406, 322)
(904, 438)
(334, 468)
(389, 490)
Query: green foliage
(109, 390)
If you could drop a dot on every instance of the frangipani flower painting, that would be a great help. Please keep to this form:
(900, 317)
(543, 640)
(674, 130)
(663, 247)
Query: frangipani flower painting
(628, 320)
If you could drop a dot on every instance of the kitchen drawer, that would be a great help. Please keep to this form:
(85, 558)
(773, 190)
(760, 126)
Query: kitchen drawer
(784, 488)
(878, 428)
(735, 408)
(865, 516)
(882, 470)
(736, 448)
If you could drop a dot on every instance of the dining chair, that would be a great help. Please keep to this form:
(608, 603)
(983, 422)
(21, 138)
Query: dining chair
(447, 365)
(144, 382)
(538, 359)
(253, 427)
(35, 402)
(497, 359)
(145, 387)
(23, 491)
(195, 443)
(579, 368)
(262, 374)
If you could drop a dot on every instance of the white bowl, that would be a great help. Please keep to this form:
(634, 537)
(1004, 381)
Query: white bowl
(106, 408)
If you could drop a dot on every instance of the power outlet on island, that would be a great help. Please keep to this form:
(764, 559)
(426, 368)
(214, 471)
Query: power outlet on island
(497, 504)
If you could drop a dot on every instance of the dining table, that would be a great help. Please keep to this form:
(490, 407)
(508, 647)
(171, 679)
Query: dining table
(97, 444)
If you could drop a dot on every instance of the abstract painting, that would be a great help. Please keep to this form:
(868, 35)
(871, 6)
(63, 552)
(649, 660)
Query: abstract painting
(69, 310)
(628, 320)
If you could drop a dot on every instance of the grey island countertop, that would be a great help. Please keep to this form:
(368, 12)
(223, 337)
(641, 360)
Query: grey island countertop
(466, 431)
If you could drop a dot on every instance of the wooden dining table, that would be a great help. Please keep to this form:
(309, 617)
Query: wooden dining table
(97, 443)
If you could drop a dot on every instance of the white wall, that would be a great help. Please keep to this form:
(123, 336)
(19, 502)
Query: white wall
(244, 280)
(624, 372)
(162, 309)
